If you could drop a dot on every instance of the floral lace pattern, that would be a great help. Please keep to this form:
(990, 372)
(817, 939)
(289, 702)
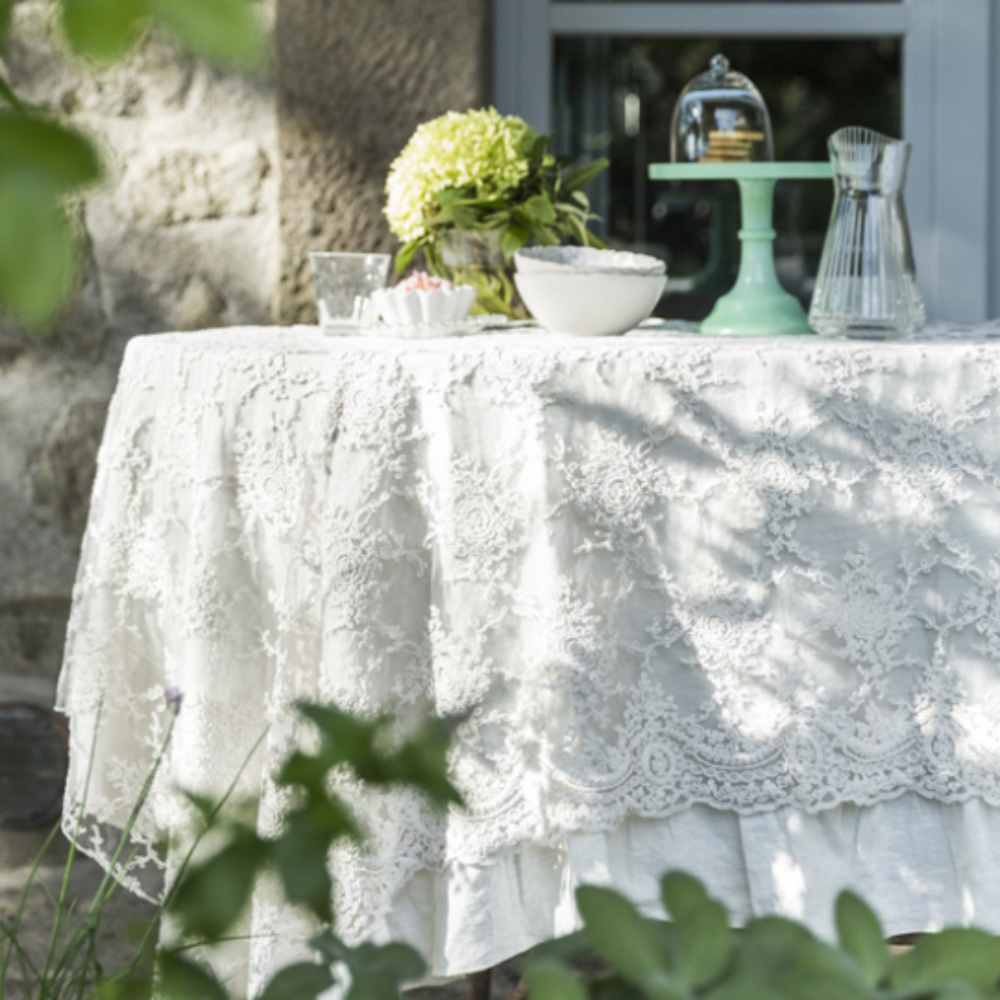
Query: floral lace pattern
(656, 570)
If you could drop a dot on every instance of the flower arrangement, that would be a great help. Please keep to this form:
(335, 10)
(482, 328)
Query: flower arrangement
(492, 178)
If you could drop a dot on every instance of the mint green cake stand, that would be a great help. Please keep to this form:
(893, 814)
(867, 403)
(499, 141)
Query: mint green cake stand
(757, 305)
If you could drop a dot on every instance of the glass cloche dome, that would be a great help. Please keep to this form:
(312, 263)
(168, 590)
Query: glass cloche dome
(720, 117)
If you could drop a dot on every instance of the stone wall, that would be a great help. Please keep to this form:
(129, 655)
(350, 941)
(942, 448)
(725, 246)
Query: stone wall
(218, 186)
(355, 77)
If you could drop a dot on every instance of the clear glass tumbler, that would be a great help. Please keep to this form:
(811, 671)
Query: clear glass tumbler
(866, 285)
(343, 284)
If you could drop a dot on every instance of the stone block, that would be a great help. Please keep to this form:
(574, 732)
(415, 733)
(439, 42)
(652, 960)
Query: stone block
(168, 185)
(62, 472)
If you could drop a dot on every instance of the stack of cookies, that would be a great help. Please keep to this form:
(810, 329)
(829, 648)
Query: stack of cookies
(730, 147)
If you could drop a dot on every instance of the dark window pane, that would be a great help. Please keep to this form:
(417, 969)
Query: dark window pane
(614, 97)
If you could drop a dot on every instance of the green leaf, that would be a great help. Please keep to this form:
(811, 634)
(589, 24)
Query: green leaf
(48, 152)
(513, 239)
(861, 936)
(702, 943)
(182, 979)
(541, 208)
(820, 972)
(564, 949)
(220, 29)
(6, 93)
(6, 9)
(377, 971)
(298, 982)
(681, 894)
(300, 854)
(404, 255)
(775, 932)
(625, 939)
(768, 948)
(421, 761)
(550, 981)
(460, 215)
(104, 30)
(584, 175)
(37, 248)
(449, 197)
(962, 955)
(213, 893)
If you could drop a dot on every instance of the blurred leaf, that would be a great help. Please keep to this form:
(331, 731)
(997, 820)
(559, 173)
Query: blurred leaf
(953, 991)
(541, 208)
(775, 932)
(300, 853)
(36, 248)
(681, 893)
(861, 936)
(377, 971)
(404, 255)
(420, 761)
(298, 982)
(460, 216)
(104, 30)
(963, 955)
(6, 93)
(820, 972)
(768, 948)
(549, 981)
(47, 152)
(182, 979)
(221, 29)
(624, 939)
(345, 739)
(213, 893)
(702, 942)
(545, 237)
(206, 807)
(6, 8)
(741, 988)
(449, 197)
(582, 177)
(563, 949)
(513, 239)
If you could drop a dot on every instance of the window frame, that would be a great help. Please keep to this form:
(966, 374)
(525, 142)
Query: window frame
(950, 98)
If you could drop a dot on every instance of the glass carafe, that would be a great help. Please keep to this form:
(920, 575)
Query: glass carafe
(867, 281)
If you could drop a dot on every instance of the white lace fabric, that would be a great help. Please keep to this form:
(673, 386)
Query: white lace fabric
(663, 572)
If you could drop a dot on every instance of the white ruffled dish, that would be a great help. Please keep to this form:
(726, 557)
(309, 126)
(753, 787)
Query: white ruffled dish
(427, 331)
(398, 307)
(533, 260)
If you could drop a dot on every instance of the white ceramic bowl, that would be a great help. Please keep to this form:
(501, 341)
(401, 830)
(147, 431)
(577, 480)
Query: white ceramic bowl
(532, 260)
(421, 308)
(590, 303)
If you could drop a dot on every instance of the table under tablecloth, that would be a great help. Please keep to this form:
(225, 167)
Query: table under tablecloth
(725, 605)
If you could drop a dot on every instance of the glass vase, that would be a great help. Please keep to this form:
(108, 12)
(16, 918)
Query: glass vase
(475, 257)
(867, 281)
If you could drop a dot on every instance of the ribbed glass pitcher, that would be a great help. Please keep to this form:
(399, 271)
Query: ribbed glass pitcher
(867, 281)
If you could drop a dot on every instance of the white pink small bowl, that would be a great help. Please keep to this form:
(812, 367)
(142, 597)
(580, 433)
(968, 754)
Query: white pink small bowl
(423, 300)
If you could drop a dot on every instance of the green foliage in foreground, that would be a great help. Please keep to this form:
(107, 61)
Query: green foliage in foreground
(696, 955)
(44, 162)
(213, 893)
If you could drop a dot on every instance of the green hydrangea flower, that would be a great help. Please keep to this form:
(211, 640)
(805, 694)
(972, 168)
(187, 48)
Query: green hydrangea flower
(482, 150)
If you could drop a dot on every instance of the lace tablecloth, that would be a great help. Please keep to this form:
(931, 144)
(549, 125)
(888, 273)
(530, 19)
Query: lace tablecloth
(732, 605)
